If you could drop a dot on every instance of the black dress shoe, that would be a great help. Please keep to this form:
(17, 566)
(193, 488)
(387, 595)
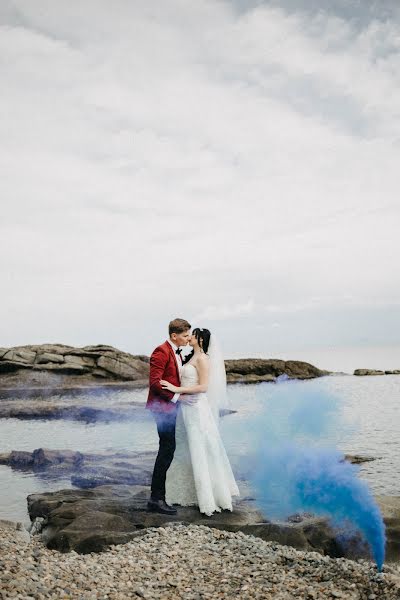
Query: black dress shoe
(160, 506)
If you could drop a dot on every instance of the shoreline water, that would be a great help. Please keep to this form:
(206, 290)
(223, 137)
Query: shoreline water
(247, 394)
(117, 421)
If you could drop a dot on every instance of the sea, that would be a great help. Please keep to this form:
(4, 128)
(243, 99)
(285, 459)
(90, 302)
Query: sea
(366, 422)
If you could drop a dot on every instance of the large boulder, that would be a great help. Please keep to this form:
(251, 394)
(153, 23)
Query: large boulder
(25, 355)
(120, 368)
(49, 357)
(18, 459)
(92, 520)
(255, 370)
(58, 366)
(43, 458)
(390, 507)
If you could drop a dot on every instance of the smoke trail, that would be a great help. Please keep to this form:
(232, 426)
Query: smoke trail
(294, 468)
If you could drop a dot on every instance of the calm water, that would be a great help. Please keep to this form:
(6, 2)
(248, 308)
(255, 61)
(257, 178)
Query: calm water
(367, 422)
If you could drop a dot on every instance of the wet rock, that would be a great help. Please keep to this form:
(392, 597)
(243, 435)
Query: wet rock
(17, 459)
(247, 379)
(255, 370)
(365, 372)
(83, 413)
(86, 470)
(111, 475)
(92, 520)
(390, 507)
(357, 459)
(43, 458)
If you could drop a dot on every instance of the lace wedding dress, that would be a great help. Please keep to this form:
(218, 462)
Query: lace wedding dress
(200, 473)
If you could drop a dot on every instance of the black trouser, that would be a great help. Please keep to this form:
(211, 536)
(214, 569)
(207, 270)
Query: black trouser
(166, 433)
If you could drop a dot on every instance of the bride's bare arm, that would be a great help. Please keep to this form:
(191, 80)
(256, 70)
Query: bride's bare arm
(202, 369)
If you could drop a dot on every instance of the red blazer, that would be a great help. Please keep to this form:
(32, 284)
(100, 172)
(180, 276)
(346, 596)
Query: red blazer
(162, 366)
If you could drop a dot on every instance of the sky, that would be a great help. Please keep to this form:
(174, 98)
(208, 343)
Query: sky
(235, 163)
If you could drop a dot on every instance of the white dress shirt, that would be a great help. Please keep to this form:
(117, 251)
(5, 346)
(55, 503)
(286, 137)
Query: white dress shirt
(179, 363)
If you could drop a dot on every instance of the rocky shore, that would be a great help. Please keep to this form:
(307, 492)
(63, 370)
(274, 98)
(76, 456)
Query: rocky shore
(186, 562)
(366, 372)
(56, 366)
(88, 470)
(110, 506)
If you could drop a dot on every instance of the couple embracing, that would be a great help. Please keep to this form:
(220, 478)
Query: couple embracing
(185, 397)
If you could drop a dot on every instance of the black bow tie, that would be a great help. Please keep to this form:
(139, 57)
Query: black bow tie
(179, 351)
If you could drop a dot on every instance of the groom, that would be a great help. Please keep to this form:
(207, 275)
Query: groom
(165, 363)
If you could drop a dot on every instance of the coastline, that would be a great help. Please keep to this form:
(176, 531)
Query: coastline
(67, 403)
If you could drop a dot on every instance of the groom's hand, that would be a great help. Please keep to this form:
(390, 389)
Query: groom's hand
(168, 386)
(188, 398)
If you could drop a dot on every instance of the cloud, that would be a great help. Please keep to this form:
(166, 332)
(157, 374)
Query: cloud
(169, 157)
(221, 313)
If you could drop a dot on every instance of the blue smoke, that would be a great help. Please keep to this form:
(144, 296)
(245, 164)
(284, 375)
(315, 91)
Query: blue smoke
(293, 466)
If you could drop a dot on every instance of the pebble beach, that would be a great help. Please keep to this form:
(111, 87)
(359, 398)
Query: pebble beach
(185, 562)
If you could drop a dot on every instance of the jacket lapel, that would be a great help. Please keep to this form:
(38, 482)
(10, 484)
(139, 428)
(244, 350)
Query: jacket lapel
(172, 353)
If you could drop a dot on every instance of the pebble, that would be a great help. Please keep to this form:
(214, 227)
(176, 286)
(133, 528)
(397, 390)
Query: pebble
(182, 562)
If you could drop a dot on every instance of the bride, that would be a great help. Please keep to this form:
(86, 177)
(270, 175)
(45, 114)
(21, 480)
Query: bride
(200, 473)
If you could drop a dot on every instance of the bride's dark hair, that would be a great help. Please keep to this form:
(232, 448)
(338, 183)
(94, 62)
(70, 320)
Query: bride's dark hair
(203, 337)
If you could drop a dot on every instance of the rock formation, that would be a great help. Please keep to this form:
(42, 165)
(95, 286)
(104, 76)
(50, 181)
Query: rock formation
(89, 470)
(92, 520)
(59, 365)
(254, 370)
(56, 366)
(366, 372)
(110, 507)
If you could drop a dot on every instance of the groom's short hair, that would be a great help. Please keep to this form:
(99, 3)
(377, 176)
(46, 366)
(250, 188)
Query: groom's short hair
(178, 326)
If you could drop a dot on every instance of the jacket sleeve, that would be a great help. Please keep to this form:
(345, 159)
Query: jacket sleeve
(158, 362)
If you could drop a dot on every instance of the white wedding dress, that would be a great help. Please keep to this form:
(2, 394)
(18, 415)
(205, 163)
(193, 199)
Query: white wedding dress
(200, 473)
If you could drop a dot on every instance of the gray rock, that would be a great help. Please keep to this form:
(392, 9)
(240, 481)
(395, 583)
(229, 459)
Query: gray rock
(48, 357)
(121, 368)
(255, 370)
(18, 459)
(37, 525)
(83, 361)
(357, 459)
(365, 372)
(44, 457)
(59, 366)
(92, 520)
(20, 355)
(86, 470)
(390, 507)
(248, 379)
(100, 373)
(10, 366)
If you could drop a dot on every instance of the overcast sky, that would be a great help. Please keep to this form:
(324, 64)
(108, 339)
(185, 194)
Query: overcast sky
(235, 163)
